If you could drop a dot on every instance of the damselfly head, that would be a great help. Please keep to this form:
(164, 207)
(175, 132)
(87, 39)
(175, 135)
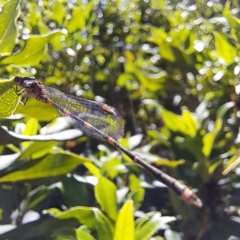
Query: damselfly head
(24, 81)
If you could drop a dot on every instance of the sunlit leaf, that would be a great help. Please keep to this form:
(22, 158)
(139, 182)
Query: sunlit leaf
(233, 21)
(185, 123)
(91, 217)
(152, 83)
(51, 165)
(7, 136)
(33, 51)
(81, 234)
(171, 235)
(8, 98)
(31, 127)
(208, 141)
(38, 110)
(58, 12)
(79, 17)
(124, 229)
(105, 192)
(8, 29)
(166, 51)
(224, 108)
(224, 49)
(149, 224)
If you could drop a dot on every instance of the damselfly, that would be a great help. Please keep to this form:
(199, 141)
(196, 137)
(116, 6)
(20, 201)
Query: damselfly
(100, 121)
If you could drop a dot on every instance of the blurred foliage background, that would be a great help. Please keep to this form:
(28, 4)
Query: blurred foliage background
(171, 69)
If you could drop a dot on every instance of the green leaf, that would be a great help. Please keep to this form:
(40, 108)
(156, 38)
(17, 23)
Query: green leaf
(92, 218)
(166, 51)
(52, 165)
(233, 21)
(32, 127)
(37, 150)
(33, 51)
(7, 137)
(185, 123)
(58, 13)
(149, 224)
(171, 235)
(105, 192)
(37, 195)
(138, 197)
(134, 183)
(209, 138)
(8, 98)
(224, 49)
(38, 110)
(153, 82)
(79, 17)
(81, 234)
(124, 229)
(8, 29)
(224, 108)
(208, 141)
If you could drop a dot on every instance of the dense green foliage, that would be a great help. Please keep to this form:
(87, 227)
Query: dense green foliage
(171, 69)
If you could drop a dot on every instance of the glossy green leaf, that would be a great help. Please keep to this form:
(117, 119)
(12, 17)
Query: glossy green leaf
(58, 12)
(33, 51)
(224, 108)
(8, 29)
(105, 192)
(92, 218)
(36, 150)
(79, 17)
(208, 141)
(8, 98)
(153, 83)
(9, 137)
(31, 127)
(134, 183)
(124, 229)
(81, 234)
(138, 197)
(185, 123)
(224, 49)
(166, 51)
(38, 110)
(105, 228)
(171, 235)
(113, 166)
(149, 224)
(37, 195)
(209, 138)
(51, 165)
(233, 21)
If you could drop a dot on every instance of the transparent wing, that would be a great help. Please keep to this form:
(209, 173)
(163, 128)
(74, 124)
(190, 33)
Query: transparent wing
(99, 115)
